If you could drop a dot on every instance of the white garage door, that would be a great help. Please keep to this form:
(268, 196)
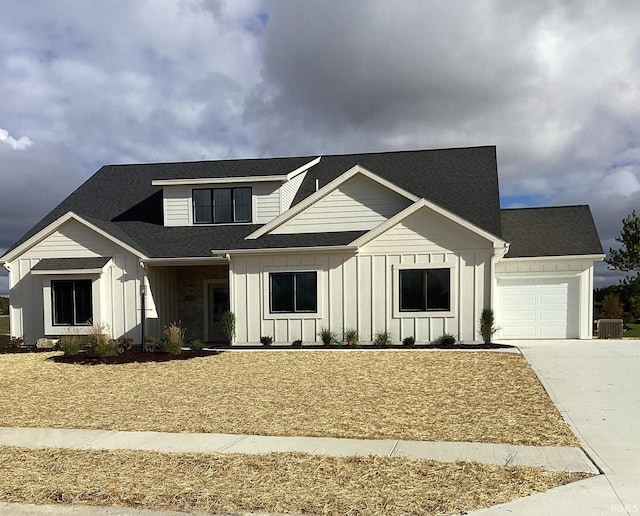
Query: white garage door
(538, 308)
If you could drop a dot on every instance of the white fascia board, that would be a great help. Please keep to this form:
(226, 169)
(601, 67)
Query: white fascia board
(316, 249)
(67, 271)
(303, 168)
(498, 243)
(45, 232)
(194, 260)
(217, 180)
(574, 257)
(323, 192)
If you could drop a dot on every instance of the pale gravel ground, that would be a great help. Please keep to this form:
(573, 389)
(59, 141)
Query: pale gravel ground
(277, 482)
(431, 396)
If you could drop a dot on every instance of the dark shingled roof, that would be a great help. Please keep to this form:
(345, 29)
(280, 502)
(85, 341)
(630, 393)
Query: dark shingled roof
(121, 200)
(66, 264)
(556, 231)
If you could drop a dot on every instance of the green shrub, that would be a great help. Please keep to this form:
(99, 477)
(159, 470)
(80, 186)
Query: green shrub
(100, 342)
(228, 321)
(409, 341)
(446, 339)
(152, 343)
(105, 348)
(351, 336)
(265, 340)
(175, 338)
(487, 325)
(327, 336)
(196, 345)
(71, 344)
(383, 339)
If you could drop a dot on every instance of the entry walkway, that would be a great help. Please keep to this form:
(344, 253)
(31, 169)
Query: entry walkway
(548, 457)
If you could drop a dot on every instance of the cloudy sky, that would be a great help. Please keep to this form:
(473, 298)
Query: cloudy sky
(554, 84)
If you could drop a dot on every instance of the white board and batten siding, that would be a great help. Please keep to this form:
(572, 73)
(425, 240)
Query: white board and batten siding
(544, 299)
(266, 198)
(118, 285)
(357, 204)
(360, 290)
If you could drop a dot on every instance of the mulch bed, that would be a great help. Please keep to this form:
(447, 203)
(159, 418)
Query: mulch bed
(129, 357)
(136, 355)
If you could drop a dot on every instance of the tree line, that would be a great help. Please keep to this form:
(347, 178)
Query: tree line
(622, 301)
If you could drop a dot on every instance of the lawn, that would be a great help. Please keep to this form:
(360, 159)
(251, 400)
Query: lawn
(4, 325)
(277, 482)
(633, 332)
(420, 395)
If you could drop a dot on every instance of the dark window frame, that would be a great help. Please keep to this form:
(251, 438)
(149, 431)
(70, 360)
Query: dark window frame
(297, 300)
(235, 209)
(424, 292)
(81, 291)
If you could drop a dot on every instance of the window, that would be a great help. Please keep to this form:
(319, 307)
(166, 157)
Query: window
(293, 292)
(423, 290)
(220, 205)
(71, 302)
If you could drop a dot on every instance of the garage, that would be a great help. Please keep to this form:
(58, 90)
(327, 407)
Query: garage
(538, 308)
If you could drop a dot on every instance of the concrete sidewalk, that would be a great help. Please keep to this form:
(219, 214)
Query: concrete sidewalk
(548, 457)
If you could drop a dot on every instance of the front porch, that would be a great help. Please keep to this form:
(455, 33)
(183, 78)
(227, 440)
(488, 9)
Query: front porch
(195, 296)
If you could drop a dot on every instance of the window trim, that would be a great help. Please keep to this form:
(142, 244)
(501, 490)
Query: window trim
(51, 329)
(266, 292)
(406, 314)
(73, 281)
(211, 193)
(294, 298)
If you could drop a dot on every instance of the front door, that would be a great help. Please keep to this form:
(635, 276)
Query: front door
(217, 304)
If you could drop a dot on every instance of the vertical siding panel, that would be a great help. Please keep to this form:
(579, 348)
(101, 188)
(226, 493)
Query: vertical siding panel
(349, 277)
(365, 296)
(378, 278)
(422, 330)
(392, 324)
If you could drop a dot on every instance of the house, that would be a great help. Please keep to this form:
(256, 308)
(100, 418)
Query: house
(413, 242)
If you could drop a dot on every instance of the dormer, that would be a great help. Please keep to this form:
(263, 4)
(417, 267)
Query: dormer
(212, 201)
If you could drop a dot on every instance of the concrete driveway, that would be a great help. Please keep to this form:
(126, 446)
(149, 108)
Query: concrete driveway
(596, 386)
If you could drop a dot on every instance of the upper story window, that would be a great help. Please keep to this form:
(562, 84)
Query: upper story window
(221, 205)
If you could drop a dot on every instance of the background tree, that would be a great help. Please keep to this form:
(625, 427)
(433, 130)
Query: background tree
(627, 258)
(612, 307)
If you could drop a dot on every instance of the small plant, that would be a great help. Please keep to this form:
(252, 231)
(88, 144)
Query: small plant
(487, 325)
(327, 336)
(351, 336)
(446, 339)
(71, 344)
(296, 343)
(151, 344)
(228, 320)
(383, 339)
(100, 342)
(16, 342)
(265, 340)
(196, 345)
(124, 343)
(175, 338)
(409, 341)
(105, 348)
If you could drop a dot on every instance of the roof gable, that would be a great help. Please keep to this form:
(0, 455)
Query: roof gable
(356, 200)
(443, 218)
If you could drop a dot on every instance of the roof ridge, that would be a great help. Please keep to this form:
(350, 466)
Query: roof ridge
(546, 207)
(309, 156)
